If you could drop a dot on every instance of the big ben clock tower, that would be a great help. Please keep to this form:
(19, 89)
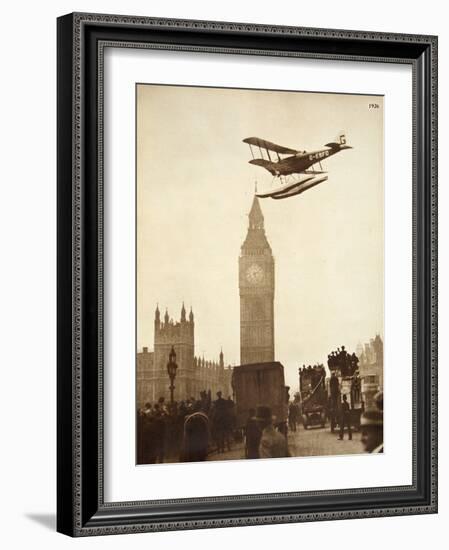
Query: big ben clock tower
(256, 284)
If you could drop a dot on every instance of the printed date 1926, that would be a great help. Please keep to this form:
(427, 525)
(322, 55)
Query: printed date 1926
(373, 106)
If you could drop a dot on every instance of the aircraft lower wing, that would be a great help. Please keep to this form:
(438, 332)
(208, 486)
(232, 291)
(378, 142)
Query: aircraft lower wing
(270, 166)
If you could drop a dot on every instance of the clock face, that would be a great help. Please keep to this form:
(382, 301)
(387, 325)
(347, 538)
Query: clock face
(254, 274)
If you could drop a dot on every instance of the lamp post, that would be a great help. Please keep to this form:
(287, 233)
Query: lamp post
(171, 369)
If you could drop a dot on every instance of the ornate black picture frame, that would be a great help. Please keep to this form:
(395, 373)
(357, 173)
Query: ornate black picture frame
(81, 510)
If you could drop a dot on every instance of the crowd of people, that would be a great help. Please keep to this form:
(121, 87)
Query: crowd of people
(185, 431)
(341, 359)
(193, 429)
(312, 376)
(265, 439)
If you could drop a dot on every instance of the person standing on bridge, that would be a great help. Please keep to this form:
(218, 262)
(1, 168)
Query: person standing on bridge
(272, 443)
(345, 418)
(253, 434)
(196, 437)
(220, 423)
(293, 414)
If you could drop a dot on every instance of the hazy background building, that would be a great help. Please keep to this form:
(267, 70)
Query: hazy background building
(371, 368)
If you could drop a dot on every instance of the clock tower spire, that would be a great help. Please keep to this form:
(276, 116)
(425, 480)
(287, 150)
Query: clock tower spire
(256, 285)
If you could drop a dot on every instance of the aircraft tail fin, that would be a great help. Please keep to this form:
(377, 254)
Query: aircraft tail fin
(341, 138)
(339, 141)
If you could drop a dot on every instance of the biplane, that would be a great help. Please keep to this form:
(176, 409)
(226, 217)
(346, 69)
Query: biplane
(292, 169)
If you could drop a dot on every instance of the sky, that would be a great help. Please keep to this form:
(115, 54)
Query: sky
(194, 191)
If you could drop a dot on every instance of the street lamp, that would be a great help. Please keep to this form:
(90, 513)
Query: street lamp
(171, 369)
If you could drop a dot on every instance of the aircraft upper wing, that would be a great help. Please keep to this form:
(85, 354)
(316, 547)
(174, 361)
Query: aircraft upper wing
(270, 146)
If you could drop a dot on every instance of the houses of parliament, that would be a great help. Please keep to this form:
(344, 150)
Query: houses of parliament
(194, 374)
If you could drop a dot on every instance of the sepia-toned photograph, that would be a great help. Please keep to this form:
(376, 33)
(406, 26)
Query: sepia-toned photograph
(260, 274)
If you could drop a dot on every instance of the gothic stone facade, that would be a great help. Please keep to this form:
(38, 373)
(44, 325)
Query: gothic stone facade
(144, 374)
(256, 284)
(194, 374)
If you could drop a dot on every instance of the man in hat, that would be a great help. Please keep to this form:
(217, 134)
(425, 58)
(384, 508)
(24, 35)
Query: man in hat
(253, 434)
(372, 426)
(345, 418)
(219, 421)
(159, 431)
(379, 400)
(292, 416)
(196, 437)
(272, 443)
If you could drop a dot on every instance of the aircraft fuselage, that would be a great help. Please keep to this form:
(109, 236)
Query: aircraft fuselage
(302, 161)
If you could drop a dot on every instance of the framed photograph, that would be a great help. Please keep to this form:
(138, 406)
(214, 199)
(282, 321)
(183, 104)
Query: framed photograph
(247, 274)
